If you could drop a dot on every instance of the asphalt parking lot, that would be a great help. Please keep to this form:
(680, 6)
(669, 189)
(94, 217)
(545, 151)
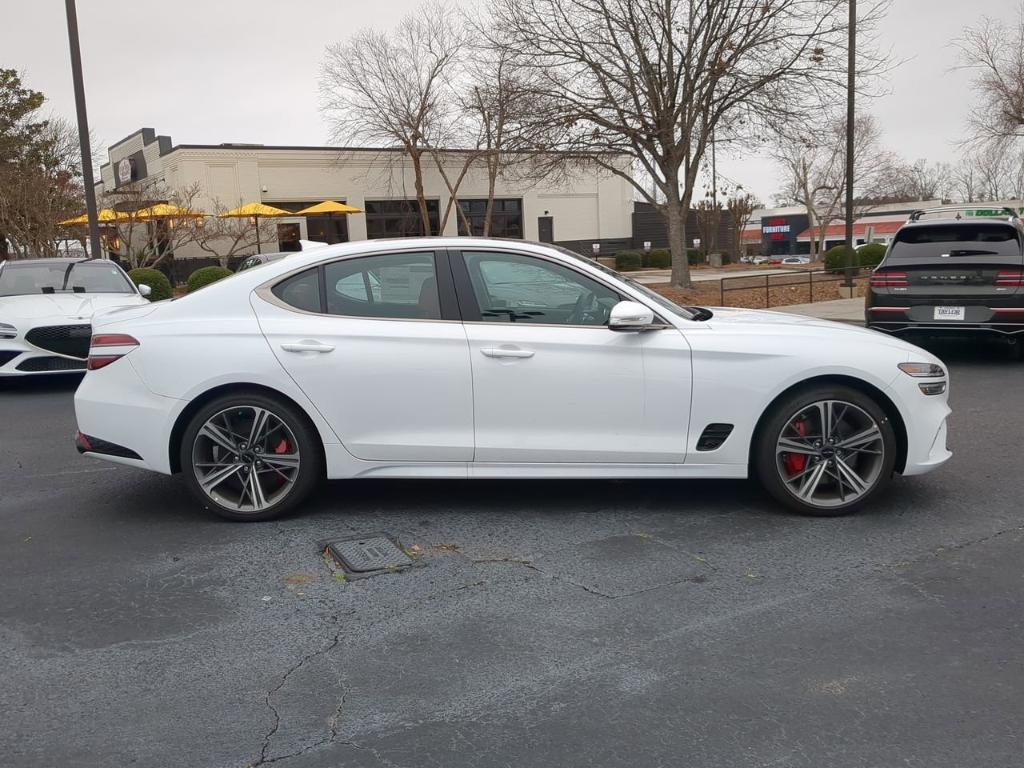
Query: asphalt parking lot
(550, 623)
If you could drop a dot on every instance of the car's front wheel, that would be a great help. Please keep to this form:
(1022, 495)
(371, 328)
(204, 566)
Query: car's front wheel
(825, 450)
(249, 456)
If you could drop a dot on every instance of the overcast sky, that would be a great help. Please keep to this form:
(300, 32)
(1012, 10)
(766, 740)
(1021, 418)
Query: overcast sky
(210, 71)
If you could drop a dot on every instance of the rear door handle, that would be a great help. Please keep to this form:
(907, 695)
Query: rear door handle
(503, 352)
(307, 345)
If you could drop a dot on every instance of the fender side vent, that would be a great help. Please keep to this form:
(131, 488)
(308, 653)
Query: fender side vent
(713, 436)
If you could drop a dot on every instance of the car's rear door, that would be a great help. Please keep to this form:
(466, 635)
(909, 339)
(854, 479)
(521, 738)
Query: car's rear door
(376, 344)
(973, 266)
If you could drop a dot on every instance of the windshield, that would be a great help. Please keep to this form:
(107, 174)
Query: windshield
(657, 298)
(32, 277)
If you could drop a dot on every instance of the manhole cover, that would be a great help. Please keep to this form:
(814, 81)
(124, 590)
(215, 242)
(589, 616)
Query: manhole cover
(368, 554)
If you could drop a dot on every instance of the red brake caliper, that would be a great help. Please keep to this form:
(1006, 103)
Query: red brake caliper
(280, 448)
(794, 463)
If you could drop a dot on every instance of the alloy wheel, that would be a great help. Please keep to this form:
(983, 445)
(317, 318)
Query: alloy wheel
(830, 453)
(245, 458)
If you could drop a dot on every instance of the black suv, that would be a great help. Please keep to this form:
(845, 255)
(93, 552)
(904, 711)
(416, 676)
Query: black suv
(952, 271)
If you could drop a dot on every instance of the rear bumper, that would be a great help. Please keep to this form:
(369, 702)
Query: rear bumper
(115, 408)
(899, 327)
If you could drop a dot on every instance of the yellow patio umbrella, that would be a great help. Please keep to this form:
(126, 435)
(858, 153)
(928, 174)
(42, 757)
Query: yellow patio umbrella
(104, 216)
(166, 211)
(255, 211)
(328, 208)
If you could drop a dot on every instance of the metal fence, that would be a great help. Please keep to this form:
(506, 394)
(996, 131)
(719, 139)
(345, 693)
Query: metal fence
(810, 279)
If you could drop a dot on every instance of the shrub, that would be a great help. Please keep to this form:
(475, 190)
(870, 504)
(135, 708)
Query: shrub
(694, 256)
(160, 286)
(627, 261)
(835, 258)
(206, 275)
(659, 258)
(871, 255)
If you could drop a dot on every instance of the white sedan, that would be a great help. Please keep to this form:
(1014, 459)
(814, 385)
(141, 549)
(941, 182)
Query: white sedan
(475, 358)
(46, 310)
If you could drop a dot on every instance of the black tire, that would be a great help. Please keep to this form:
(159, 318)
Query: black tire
(310, 468)
(767, 464)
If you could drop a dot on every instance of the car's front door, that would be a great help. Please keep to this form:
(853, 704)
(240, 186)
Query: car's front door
(376, 344)
(551, 382)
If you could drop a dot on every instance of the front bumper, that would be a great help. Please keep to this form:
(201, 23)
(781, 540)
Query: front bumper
(925, 418)
(19, 358)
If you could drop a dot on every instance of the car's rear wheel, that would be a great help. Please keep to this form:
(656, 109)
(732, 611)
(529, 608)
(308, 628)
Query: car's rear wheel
(249, 456)
(825, 450)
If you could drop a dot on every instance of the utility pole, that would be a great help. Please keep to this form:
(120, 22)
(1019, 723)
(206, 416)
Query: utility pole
(851, 84)
(95, 248)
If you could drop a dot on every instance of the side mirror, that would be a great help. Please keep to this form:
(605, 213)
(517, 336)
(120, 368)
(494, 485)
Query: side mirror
(145, 290)
(630, 316)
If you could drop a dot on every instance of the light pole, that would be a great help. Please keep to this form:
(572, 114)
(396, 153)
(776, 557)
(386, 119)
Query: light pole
(95, 249)
(851, 84)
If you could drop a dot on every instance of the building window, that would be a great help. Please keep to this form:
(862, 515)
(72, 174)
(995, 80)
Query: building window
(399, 218)
(506, 217)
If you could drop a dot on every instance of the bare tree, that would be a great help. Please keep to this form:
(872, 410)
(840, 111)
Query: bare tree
(40, 188)
(231, 237)
(640, 86)
(994, 49)
(709, 220)
(392, 88)
(741, 207)
(920, 180)
(964, 182)
(815, 165)
(142, 242)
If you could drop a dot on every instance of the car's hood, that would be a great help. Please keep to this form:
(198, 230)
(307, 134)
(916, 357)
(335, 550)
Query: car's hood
(71, 306)
(800, 324)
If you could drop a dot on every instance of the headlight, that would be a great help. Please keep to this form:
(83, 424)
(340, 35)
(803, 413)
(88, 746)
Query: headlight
(7, 331)
(923, 370)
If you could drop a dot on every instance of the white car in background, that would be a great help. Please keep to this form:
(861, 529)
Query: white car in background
(46, 310)
(477, 358)
(794, 260)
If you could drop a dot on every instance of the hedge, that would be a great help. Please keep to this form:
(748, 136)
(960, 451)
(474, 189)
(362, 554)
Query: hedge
(627, 261)
(659, 258)
(869, 255)
(160, 286)
(203, 277)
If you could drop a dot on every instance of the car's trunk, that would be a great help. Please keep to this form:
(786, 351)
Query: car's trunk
(972, 263)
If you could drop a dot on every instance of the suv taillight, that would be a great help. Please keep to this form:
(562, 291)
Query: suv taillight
(1010, 279)
(105, 348)
(889, 280)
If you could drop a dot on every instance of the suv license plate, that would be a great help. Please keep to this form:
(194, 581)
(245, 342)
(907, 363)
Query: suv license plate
(949, 313)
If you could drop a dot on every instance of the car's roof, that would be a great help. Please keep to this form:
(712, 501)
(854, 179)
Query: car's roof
(49, 260)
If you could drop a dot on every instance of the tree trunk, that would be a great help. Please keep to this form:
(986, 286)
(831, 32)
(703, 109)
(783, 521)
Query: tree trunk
(3, 246)
(417, 168)
(675, 213)
(492, 177)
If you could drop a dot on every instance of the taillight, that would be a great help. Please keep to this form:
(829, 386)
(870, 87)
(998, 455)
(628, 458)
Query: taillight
(1010, 279)
(889, 280)
(105, 348)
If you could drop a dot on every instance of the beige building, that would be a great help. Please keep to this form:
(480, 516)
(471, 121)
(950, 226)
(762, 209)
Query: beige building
(579, 209)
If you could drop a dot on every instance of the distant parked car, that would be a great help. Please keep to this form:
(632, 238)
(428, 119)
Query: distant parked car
(954, 271)
(46, 309)
(265, 258)
(759, 260)
(796, 260)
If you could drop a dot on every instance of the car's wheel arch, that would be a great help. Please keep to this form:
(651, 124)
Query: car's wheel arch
(866, 387)
(194, 405)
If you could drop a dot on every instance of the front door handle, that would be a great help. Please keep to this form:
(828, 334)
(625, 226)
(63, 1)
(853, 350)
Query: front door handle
(506, 352)
(307, 345)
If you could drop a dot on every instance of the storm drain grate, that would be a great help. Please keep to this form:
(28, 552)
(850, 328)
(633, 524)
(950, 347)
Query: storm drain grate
(369, 555)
